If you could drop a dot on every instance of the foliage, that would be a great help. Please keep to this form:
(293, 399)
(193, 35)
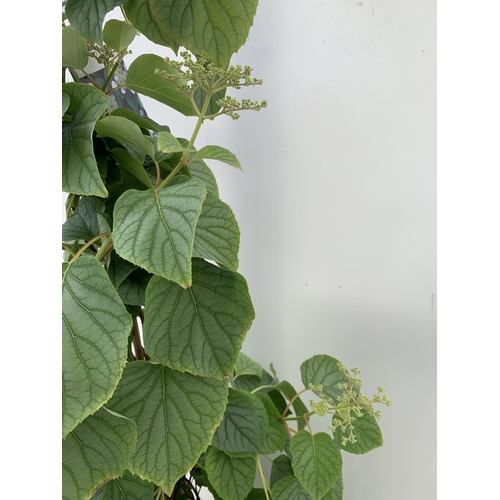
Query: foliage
(158, 399)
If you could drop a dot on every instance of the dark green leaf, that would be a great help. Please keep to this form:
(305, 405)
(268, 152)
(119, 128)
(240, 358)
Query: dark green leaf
(119, 269)
(85, 223)
(245, 421)
(142, 121)
(155, 230)
(141, 78)
(316, 461)
(96, 327)
(231, 477)
(199, 97)
(213, 28)
(87, 16)
(125, 132)
(118, 34)
(298, 406)
(219, 154)
(133, 288)
(74, 49)
(217, 235)
(176, 414)
(134, 166)
(256, 494)
(79, 168)
(199, 330)
(367, 433)
(96, 450)
(282, 467)
(65, 102)
(289, 488)
(274, 439)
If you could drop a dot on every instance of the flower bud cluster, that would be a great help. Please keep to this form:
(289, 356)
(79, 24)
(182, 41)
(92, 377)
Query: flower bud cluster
(103, 55)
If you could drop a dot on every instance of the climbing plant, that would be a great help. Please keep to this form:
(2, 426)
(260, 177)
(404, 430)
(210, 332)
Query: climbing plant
(158, 399)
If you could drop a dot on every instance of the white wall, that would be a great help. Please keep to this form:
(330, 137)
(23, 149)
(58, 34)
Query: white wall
(337, 208)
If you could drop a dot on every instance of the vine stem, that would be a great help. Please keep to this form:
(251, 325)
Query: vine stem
(263, 478)
(103, 251)
(291, 401)
(184, 156)
(88, 244)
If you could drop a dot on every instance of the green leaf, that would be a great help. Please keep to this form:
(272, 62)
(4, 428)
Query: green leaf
(200, 170)
(141, 78)
(85, 223)
(245, 421)
(367, 433)
(79, 168)
(125, 132)
(132, 165)
(167, 143)
(219, 154)
(282, 467)
(199, 330)
(142, 121)
(176, 414)
(127, 487)
(323, 370)
(96, 450)
(217, 235)
(289, 488)
(256, 494)
(118, 34)
(65, 102)
(132, 290)
(199, 96)
(155, 230)
(119, 269)
(213, 28)
(87, 16)
(96, 327)
(231, 477)
(338, 489)
(245, 365)
(74, 49)
(316, 461)
(275, 437)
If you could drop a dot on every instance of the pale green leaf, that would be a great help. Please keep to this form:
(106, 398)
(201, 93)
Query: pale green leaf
(323, 370)
(245, 421)
(289, 488)
(95, 328)
(87, 16)
(231, 477)
(367, 433)
(65, 102)
(155, 230)
(142, 121)
(141, 78)
(217, 235)
(200, 170)
(282, 467)
(74, 49)
(245, 365)
(167, 143)
(201, 329)
(316, 461)
(127, 487)
(131, 164)
(125, 132)
(274, 439)
(79, 169)
(118, 34)
(219, 154)
(96, 450)
(213, 28)
(176, 414)
(84, 224)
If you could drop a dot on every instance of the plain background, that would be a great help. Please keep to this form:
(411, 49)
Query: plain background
(337, 210)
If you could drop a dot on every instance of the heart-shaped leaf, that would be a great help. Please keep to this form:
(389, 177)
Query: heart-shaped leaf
(201, 329)
(95, 327)
(118, 34)
(245, 365)
(231, 477)
(289, 488)
(176, 415)
(155, 230)
(127, 487)
(96, 450)
(316, 461)
(367, 433)
(74, 49)
(79, 168)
